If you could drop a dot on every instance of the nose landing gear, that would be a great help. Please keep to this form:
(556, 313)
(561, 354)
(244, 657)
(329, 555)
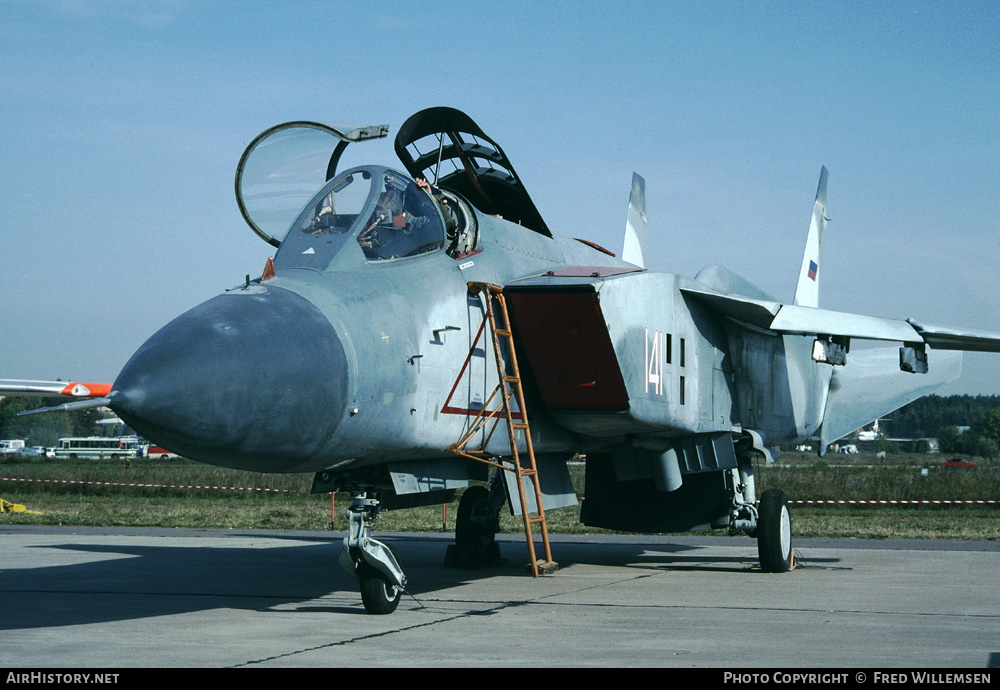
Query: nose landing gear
(374, 564)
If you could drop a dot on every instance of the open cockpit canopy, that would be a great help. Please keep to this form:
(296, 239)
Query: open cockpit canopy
(447, 148)
(284, 167)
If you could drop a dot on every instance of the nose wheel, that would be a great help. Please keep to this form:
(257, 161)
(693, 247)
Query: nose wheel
(378, 593)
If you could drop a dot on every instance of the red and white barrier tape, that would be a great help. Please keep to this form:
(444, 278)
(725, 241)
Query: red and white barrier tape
(148, 486)
(892, 502)
(293, 491)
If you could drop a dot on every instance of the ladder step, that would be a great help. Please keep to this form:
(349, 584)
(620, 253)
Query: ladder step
(512, 379)
(519, 425)
(505, 334)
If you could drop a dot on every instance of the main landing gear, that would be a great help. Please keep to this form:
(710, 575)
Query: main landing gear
(774, 533)
(476, 527)
(768, 521)
(374, 564)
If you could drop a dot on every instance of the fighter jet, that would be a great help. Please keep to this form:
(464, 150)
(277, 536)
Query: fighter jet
(422, 327)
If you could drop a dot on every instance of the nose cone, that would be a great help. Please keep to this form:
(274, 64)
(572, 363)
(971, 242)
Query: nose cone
(252, 379)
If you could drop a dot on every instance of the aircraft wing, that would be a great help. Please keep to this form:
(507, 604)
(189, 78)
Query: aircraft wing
(944, 338)
(873, 383)
(789, 319)
(794, 320)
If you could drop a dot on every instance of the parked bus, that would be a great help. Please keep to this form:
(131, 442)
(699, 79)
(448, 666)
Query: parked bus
(98, 447)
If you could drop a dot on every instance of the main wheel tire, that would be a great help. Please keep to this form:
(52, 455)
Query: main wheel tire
(774, 532)
(475, 542)
(379, 596)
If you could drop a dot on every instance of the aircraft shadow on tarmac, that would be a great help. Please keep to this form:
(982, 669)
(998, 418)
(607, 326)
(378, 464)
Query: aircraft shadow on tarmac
(130, 582)
(679, 557)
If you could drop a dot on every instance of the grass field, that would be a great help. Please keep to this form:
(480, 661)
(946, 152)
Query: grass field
(104, 493)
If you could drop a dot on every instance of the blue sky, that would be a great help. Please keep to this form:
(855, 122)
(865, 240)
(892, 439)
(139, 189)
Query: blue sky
(123, 122)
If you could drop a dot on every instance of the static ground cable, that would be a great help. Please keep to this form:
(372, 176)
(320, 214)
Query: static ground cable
(893, 502)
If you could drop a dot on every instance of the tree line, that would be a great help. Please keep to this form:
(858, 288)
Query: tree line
(923, 418)
(44, 429)
(946, 418)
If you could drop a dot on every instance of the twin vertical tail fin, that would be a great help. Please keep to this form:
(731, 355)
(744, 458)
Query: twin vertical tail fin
(636, 247)
(807, 289)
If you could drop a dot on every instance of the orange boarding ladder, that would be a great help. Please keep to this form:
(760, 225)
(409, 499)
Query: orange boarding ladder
(509, 385)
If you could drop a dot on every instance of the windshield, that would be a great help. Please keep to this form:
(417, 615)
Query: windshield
(338, 209)
(378, 212)
(405, 222)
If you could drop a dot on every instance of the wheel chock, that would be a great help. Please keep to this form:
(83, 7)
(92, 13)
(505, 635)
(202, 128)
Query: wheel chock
(544, 567)
(791, 567)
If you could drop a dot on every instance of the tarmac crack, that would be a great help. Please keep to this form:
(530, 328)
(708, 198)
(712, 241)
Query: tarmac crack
(497, 608)
(718, 607)
(384, 633)
(773, 609)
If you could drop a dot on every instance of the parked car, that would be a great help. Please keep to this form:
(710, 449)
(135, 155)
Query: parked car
(958, 462)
